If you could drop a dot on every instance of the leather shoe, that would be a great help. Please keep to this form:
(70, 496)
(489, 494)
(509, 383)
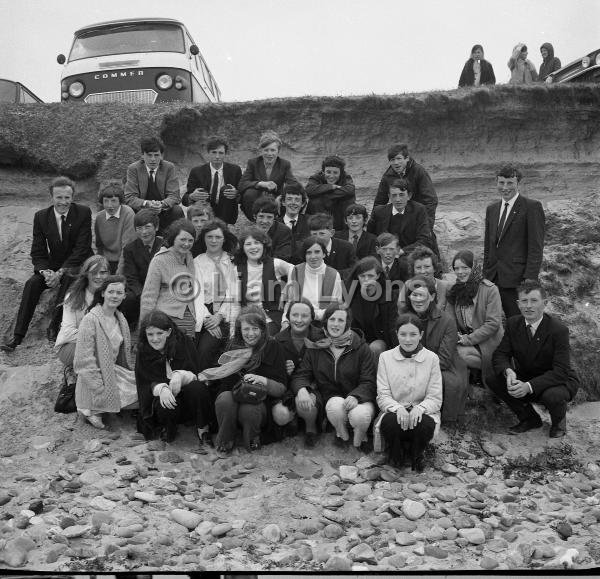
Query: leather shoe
(10, 346)
(559, 430)
(310, 439)
(525, 425)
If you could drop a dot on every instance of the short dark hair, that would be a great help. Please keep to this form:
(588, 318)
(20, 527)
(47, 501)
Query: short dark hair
(215, 142)
(320, 221)
(158, 319)
(196, 210)
(532, 285)
(111, 188)
(410, 318)
(294, 188)
(152, 144)
(400, 183)
(61, 181)
(304, 301)
(421, 252)
(264, 205)
(334, 307)
(308, 242)
(333, 161)
(356, 209)
(416, 282)
(395, 149)
(260, 236)
(465, 256)
(386, 238)
(145, 216)
(366, 264)
(475, 47)
(176, 228)
(509, 171)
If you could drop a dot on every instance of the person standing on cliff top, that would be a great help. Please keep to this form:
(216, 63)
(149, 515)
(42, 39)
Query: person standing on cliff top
(513, 239)
(522, 70)
(550, 63)
(419, 184)
(477, 70)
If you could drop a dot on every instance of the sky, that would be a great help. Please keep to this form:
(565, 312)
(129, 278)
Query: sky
(260, 49)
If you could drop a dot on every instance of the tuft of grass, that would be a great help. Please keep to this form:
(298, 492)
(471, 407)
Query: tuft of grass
(537, 467)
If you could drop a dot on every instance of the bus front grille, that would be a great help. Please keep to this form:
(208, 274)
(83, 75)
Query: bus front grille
(144, 97)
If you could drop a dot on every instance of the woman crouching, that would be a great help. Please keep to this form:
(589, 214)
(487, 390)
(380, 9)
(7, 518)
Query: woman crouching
(409, 394)
(169, 392)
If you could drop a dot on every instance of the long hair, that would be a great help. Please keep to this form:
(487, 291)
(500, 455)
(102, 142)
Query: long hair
(98, 299)
(158, 319)
(76, 297)
(255, 316)
(255, 232)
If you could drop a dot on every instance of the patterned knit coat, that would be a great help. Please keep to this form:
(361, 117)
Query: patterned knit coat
(97, 388)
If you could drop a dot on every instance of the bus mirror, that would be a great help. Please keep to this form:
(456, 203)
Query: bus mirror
(61, 59)
(194, 49)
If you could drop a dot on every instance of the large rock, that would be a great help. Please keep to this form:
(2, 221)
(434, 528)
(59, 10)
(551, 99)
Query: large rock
(363, 552)
(413, 510)
(348, 473)
(475, 536)
(188, 519)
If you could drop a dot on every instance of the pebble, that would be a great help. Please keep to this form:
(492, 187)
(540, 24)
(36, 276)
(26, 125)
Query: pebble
(405, 539)
(418, 487)
(170, 457)
(272, 533)
(445, 495)
(450, 533)
(488, 563)
(462, 522)
(433, 551)
(67, 522)
(397, 561)
(444, 522)
(348, 473)
(4, 498)
(210, 552)
(509, 482)
(413, 510)
(54, 554)
(564, 530)
(362, 552)
(434, 533)
(13, 556)
(449, 468)
(188, 519)
(146, 497)
(333, 531)
(358, 491)
(497, 545)
(474, 536)
(576, 518)
(338, 563)
(401, 525)
(510, 536)
(309, 526)
(36, 506)
(102, 504)
(76, 531)
(492, 448)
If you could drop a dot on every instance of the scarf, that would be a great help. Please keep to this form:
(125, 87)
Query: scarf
(340, 342)
(230, 363)
(463, 293)
(406, 354)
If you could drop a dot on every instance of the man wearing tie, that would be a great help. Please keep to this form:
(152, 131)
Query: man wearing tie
(152, 182)
(514, 239)
(532, 364)
(62, 241)
(215, 182)
(293, 200)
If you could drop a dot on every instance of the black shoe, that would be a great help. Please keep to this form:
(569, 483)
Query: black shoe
(168, 434)
(254, 445)
(10, 346)
(366, 446)
(418, 464)
(205, 440)
(559, 429)
(525, 425)
(51, 334)
(340, 442)
(310, 439)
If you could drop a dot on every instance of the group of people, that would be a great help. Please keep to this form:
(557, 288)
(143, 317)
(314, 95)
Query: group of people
(478, 71)
(316, 314)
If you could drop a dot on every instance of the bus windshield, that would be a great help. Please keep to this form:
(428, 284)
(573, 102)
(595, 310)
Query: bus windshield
(128, 38)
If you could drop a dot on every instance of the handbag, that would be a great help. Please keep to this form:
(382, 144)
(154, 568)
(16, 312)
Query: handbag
(248, 393)
(65, 401)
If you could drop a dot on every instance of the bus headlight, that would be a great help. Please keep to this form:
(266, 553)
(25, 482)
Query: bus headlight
(598, 58)
(76, 89)
(585, 61)
(180, 83)
(164, 82)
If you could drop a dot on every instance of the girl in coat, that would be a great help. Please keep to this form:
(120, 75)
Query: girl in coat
(337, 375)
(409, 395)
(77, 301)
(475, 304)
(105, 378)
(522, 70)
(168, 389)
(441, 337)
(477, 70)
(255, 358)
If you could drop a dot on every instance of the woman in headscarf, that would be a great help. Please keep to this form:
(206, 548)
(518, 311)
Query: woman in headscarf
(550, 62)
(477, 70)
(522, 70)
(475, 304)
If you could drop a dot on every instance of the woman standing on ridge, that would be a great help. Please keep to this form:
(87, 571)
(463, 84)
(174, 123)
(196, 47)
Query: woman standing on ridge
(522, 70)
(477, 70)
(550, 62)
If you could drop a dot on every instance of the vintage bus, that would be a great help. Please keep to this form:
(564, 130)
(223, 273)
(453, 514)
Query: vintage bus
(138, 60)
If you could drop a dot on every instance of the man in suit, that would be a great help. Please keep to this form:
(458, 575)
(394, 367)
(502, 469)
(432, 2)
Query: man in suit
(532, 364)
(514, 239)
(403, 217)
(364, 242)
(265, 210)
(293, 199)
(135, 260)
(395, 271)
(215, 182)
(340, 253)
(62, 241)
(152, 182)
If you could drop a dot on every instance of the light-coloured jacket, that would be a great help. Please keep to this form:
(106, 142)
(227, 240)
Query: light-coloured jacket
(401, 381)
(97, 388)
(166, 274)
(70, 322)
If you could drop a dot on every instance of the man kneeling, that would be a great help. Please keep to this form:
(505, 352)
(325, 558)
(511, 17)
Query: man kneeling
(532, 364)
